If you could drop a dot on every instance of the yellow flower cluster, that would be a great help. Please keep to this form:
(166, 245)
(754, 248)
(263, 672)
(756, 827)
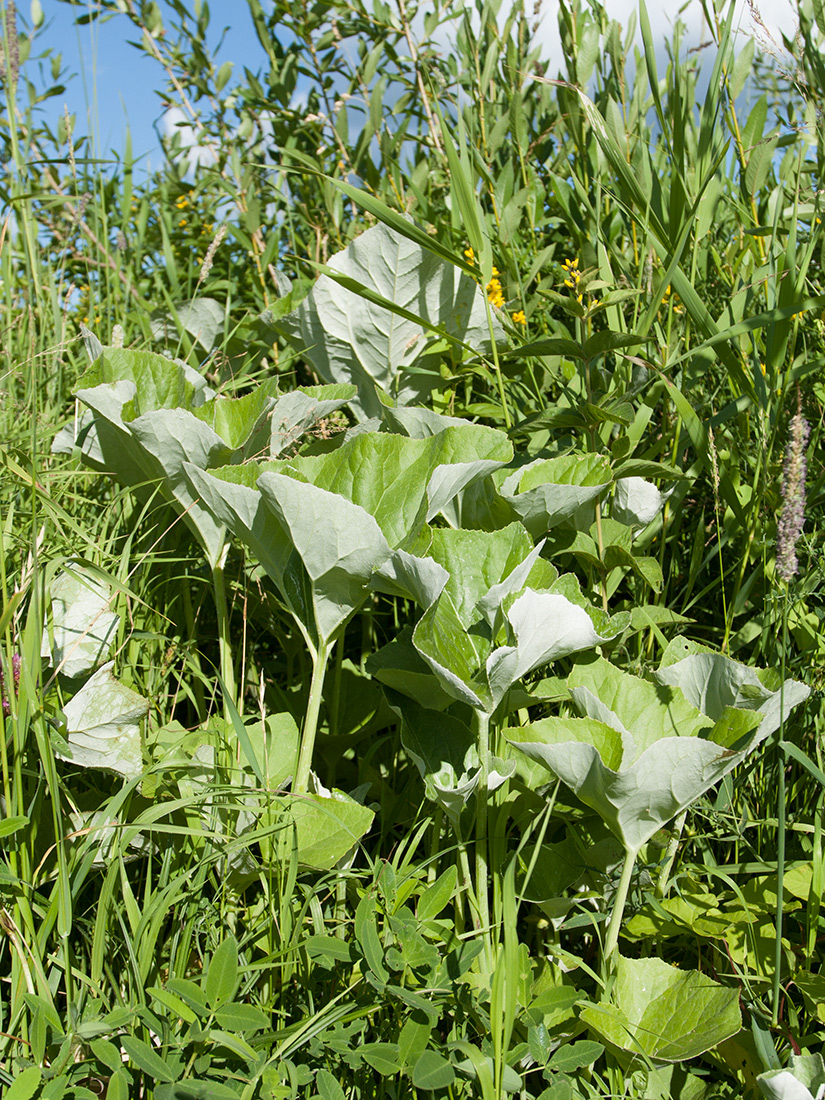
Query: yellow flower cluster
(666, 301)
(520, 317)
(572, 277)
(495, 294)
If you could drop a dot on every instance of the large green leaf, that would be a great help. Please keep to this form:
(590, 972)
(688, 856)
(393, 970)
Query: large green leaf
(664, 1014)
(444, 750)
(503, 612)
(643, 752)
(82, 626)
(103, 726)
(152, 416)
(322, 525)
(804, 1079)
(159, 383)
(349, 338)
(548, 491)
(402, 481)
(339, 545)
(327, 827)
(712, 682)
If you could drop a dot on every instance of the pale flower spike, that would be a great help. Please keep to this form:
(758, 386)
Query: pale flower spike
(792, 517)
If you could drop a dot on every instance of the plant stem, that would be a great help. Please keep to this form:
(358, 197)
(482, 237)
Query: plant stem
(672, 849)
(320, 657)
(481, 721)
(619, 900)
(224, 642)
(780, 825)
(497, 366)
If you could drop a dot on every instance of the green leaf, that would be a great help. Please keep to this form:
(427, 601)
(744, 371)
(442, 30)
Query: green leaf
(546, 492)
(25, 1084)
(383, 1057)
(9, 825)
(82, 625)
(603, 341)
(197, 1090)
(575, 1056)
(222, 973)
(642, 754)
(190, 992)
(320, 526)
(147, 1059)
(327, 827)
(432, 1071)
(413, 1039)
(490, 626)
(103, 723)
(713, 682)
(328, 1086)
(664, 1013)
(151, 416)
(437, 896)
(368, 939)
(330, 948)
(351, 338)
(242, 1017)
(119, 1085)
(175, 1005)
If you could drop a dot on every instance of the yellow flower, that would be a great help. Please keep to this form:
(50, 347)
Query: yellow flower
(495, 293)
(468, 252)
(519, 317)
(182, 223)
(572, 273)
(182, 202)
(764, 371)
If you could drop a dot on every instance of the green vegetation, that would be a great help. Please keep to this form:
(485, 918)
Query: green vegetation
(411, 647)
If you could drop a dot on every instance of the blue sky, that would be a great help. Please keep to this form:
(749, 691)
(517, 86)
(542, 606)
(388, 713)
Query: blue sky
(114, 83)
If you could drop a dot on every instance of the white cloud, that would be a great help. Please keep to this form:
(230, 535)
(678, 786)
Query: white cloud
(763, 19)
(175, 122)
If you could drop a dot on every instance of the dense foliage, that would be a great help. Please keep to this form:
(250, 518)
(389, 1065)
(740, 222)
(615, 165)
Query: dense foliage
(411, 563)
